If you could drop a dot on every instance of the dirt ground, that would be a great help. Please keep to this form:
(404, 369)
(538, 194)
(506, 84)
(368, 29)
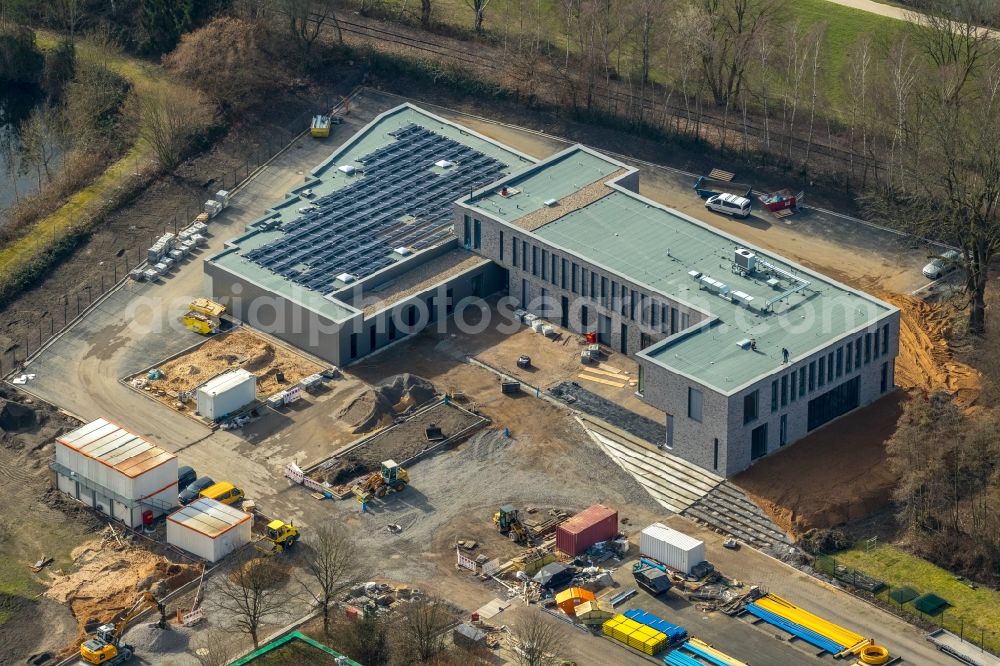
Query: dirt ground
(240, 348)
(378, 406)
(107, 578)
(398, 443)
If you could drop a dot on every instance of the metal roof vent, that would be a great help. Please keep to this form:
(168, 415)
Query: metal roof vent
(348, 169)
(551, 202)
(403, 251)
(444, 164)
(347, 278)
(694, 275)
(744, 343)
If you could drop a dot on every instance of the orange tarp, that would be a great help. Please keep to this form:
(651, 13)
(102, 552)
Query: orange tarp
(571, 597)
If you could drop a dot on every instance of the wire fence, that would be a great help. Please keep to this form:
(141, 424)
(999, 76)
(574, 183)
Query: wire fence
(899, 600)
(116, 265)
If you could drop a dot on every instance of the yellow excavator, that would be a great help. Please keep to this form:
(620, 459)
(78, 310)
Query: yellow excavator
(106, 648)
(508, 522)
(378, 484)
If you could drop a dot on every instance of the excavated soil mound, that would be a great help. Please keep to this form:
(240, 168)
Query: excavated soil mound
(925, 360)
(151, 640)
(108, 580)
(376, 407)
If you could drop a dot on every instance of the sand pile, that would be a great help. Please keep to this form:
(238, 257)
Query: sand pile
(377, 407)
(925, 359)
(241, 348)
(108, 580)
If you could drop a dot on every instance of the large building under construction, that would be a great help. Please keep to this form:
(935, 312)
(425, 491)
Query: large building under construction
(743, 350)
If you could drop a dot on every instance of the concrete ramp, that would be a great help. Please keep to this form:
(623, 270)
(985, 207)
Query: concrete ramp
(685, 488)
(675, 483)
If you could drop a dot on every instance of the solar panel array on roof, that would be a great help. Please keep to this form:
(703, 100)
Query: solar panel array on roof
(355, 229)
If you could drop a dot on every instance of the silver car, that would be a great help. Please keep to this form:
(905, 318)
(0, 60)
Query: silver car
(940, 266)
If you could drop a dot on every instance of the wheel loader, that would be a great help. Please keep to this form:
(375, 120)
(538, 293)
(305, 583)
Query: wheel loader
(390, 478)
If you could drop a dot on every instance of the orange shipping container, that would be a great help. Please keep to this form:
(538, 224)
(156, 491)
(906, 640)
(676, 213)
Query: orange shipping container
(592, 525)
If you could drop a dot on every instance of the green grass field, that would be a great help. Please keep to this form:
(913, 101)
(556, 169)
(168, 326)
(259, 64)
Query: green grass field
(844, 27)
(973, 609)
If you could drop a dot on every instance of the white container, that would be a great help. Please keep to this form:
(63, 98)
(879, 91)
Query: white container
(670, 547)
(226, 393)
(292, 394)
(116, 472)
(209, 529)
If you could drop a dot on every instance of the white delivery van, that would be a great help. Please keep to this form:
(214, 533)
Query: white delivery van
(729, 204)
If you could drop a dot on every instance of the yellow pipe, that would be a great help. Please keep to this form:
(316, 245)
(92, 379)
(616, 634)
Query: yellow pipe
(824, 628)
(721, 656)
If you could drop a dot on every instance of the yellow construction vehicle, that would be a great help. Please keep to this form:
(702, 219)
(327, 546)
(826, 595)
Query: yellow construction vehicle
(204, 316)
(508, 522)
(106, 647)
(391, 477)
(282, 535)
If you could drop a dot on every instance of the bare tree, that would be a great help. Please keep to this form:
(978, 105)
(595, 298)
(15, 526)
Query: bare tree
(217, 647)
(949, 145)
(306, 20)
(539, 641)
(330, 560)
(422, 627)
(168, 120)
(251, 593)
(727, 36)
(478, 8)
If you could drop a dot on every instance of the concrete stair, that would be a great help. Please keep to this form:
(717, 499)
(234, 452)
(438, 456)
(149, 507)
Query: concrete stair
(727, 508)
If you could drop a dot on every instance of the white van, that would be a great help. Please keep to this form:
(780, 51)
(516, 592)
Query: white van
(730, 204)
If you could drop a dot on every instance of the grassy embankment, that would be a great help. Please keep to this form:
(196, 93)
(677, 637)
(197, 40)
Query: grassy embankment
(971, 609)
(844, 26)
(19, 258)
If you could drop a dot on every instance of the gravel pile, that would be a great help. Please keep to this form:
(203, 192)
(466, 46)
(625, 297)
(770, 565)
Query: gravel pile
(149, 639)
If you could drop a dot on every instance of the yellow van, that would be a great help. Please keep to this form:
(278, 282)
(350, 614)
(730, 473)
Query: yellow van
(224, 492)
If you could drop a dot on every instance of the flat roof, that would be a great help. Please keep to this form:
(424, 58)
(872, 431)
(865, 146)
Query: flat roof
(389, 186)
(115, 447)
(209, 517)
(422, 277)
(661, 249)
(227, 380)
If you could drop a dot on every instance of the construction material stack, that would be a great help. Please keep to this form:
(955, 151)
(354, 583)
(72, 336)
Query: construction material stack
(635, 635)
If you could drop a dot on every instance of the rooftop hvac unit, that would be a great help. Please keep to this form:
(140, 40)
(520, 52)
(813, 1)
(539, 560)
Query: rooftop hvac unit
(714, 286)
(551, 202)
(745, 259)
(773, 283)
(694, 275)
(444, 164)
(744, 343)
(742, 298)
(403, 251)
(346, 278)
(348, 169)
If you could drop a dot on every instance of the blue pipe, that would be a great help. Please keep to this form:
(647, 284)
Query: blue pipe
(809, 636)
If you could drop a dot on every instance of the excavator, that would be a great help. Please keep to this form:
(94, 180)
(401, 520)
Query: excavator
(378, 484)
(508, 522)
(106, 648)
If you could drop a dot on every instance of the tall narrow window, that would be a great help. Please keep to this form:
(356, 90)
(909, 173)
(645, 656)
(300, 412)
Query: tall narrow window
(774, 395)
(694, 404)
(524, 256)
(467, 231)
(477, 234)
(513, 252)
(715, 454)
(784, 390)
(501, 247)
(545, 264)
(750, 407)
(885, 339)
(821, 375)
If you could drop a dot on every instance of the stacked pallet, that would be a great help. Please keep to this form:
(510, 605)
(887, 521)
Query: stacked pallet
(635, 635)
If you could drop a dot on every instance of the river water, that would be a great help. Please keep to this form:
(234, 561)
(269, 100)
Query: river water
(16, 104)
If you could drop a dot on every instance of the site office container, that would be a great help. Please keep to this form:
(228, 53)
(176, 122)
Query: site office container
(592, 525)
(670, 547)
(226, 393)
(101, 464)
(209, 529)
